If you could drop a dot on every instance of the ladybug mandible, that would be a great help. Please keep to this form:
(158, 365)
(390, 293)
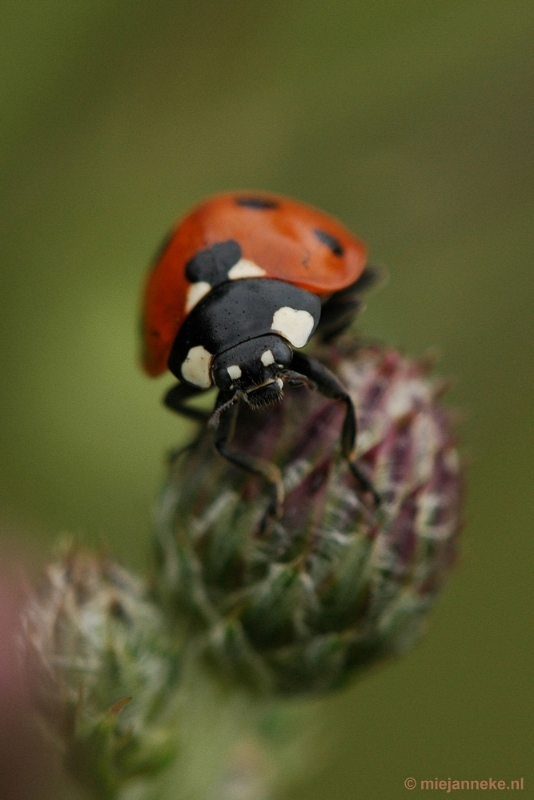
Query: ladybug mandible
(242, 283)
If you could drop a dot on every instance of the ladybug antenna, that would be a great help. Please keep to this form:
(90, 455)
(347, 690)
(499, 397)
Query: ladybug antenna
(215, 417)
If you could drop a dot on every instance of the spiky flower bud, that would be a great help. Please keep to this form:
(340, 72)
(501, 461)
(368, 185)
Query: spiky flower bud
(101, 668)
(300, 604)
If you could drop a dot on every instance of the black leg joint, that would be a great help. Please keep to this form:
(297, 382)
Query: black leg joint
(176, 399)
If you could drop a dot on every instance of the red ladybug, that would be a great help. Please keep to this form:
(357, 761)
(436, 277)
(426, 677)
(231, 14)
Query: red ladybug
(243, 281)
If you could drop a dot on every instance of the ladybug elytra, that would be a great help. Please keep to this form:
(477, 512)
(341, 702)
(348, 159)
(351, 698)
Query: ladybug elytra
(241, 285)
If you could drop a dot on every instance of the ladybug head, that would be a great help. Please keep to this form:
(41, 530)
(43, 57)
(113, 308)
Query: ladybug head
(254, 369)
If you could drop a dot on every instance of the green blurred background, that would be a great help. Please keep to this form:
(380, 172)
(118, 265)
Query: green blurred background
(413, 122)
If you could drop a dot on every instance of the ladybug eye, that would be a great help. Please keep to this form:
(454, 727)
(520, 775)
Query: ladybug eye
(260, 203)
(222, 378)
(330, 241)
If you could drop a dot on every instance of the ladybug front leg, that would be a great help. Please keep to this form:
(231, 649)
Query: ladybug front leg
(327, 383)
(226, 420)
(177, 397)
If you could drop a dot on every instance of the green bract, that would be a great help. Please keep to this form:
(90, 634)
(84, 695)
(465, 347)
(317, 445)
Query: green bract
(101, 667)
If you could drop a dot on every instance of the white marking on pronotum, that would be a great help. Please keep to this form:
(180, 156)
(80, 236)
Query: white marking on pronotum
(234, 371)
(195, 293)
(267, 358)
(196, 367)
(280, 383)
(295, 326)
(245, 269)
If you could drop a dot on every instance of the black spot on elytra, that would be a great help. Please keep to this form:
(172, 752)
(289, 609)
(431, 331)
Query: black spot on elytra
(259, 203)
(213, 264)
(330, 241)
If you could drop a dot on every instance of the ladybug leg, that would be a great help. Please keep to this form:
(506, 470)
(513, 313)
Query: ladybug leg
(341, 309)
(327, 383)
(177, 397)
(224, 432)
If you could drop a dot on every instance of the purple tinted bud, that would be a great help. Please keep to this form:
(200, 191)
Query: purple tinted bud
(302, 603)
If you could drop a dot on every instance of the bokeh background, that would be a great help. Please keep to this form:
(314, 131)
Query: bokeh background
(413, 122)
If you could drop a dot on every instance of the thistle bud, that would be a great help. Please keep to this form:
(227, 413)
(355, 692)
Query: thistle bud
(337, 583)
(101, 668)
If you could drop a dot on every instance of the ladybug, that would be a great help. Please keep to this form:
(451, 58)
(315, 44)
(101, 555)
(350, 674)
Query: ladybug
(242, 283)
